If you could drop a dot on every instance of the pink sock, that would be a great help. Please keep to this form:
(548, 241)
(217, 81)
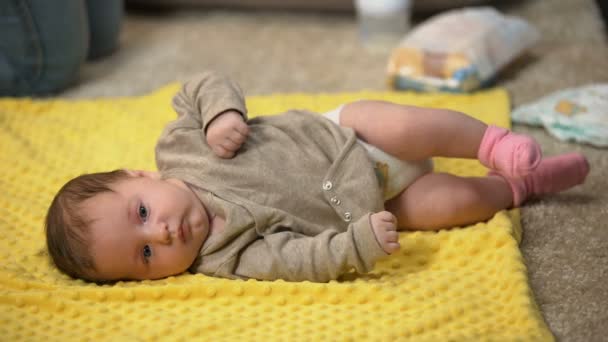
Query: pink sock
(553, 174)
(512, 154)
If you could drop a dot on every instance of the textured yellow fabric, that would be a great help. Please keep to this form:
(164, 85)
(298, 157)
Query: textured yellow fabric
(457, 285)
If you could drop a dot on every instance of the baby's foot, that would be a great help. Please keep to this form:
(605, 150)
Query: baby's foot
(513, 155)
(552, 175)
(384, 225)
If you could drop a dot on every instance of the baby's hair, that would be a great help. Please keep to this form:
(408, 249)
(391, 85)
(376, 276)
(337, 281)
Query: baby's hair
(66, 227)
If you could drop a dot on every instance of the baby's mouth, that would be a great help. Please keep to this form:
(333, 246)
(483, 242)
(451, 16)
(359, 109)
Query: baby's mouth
(183, 232)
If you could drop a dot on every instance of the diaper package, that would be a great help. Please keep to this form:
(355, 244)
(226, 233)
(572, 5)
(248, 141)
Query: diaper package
(459, 50)
(576, 114)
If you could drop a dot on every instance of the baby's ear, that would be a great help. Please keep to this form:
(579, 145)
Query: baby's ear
(143, 173)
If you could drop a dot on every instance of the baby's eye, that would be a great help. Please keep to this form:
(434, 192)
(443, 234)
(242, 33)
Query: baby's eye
(147, 252)
(142, 212)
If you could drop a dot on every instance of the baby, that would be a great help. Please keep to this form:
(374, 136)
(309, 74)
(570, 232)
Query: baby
(296, 196)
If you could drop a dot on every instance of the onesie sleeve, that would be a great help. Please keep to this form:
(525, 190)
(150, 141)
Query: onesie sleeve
(208, 95)
(295, 257)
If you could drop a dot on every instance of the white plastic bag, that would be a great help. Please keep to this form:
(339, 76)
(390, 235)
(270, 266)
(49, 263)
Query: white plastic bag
(459, 50)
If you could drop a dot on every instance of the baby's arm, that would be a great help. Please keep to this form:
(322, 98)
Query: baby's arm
(214, 100)
(414, 133)
(295, 257)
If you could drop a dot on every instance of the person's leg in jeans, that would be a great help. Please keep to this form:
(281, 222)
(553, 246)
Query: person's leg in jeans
(42, 45)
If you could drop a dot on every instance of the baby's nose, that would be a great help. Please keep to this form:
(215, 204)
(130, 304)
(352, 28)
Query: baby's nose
(160, 233)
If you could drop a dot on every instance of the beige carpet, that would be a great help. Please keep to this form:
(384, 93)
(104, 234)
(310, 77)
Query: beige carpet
(565, 237)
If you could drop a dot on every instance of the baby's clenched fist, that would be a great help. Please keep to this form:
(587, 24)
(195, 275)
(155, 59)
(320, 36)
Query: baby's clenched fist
(226, 133)
(384, 225)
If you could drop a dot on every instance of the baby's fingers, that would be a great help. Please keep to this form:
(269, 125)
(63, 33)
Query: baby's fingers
(237, 136)
(392, 236)
(222, 152)
(230, 145)
(392, 247)
(242, 128)
(386, 216)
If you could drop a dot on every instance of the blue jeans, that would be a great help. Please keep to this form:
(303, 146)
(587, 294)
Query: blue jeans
(43, 43)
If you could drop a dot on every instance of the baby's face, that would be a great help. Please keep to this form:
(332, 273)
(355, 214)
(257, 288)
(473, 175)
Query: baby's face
(148, 228)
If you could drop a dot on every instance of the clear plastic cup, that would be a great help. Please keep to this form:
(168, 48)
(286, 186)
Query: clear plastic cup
(382, 23)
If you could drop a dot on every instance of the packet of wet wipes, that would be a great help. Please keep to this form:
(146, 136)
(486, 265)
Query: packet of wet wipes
(575, 114)
(459, 50)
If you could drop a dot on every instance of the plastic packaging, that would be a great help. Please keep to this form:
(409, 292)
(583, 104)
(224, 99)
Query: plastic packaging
(576, 114)
(459, 50)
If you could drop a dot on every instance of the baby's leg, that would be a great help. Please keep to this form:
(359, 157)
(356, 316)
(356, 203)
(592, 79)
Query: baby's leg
(415, 133)
(441, 200)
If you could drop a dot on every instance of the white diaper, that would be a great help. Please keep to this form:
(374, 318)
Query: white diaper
(394, 174)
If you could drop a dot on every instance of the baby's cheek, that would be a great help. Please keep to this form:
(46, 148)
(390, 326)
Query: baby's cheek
(187, 257)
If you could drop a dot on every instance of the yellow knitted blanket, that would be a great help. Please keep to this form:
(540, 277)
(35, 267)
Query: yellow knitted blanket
(463, 284)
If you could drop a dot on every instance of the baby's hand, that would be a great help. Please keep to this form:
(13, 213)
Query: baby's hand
(226, 133)
(384, 225)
